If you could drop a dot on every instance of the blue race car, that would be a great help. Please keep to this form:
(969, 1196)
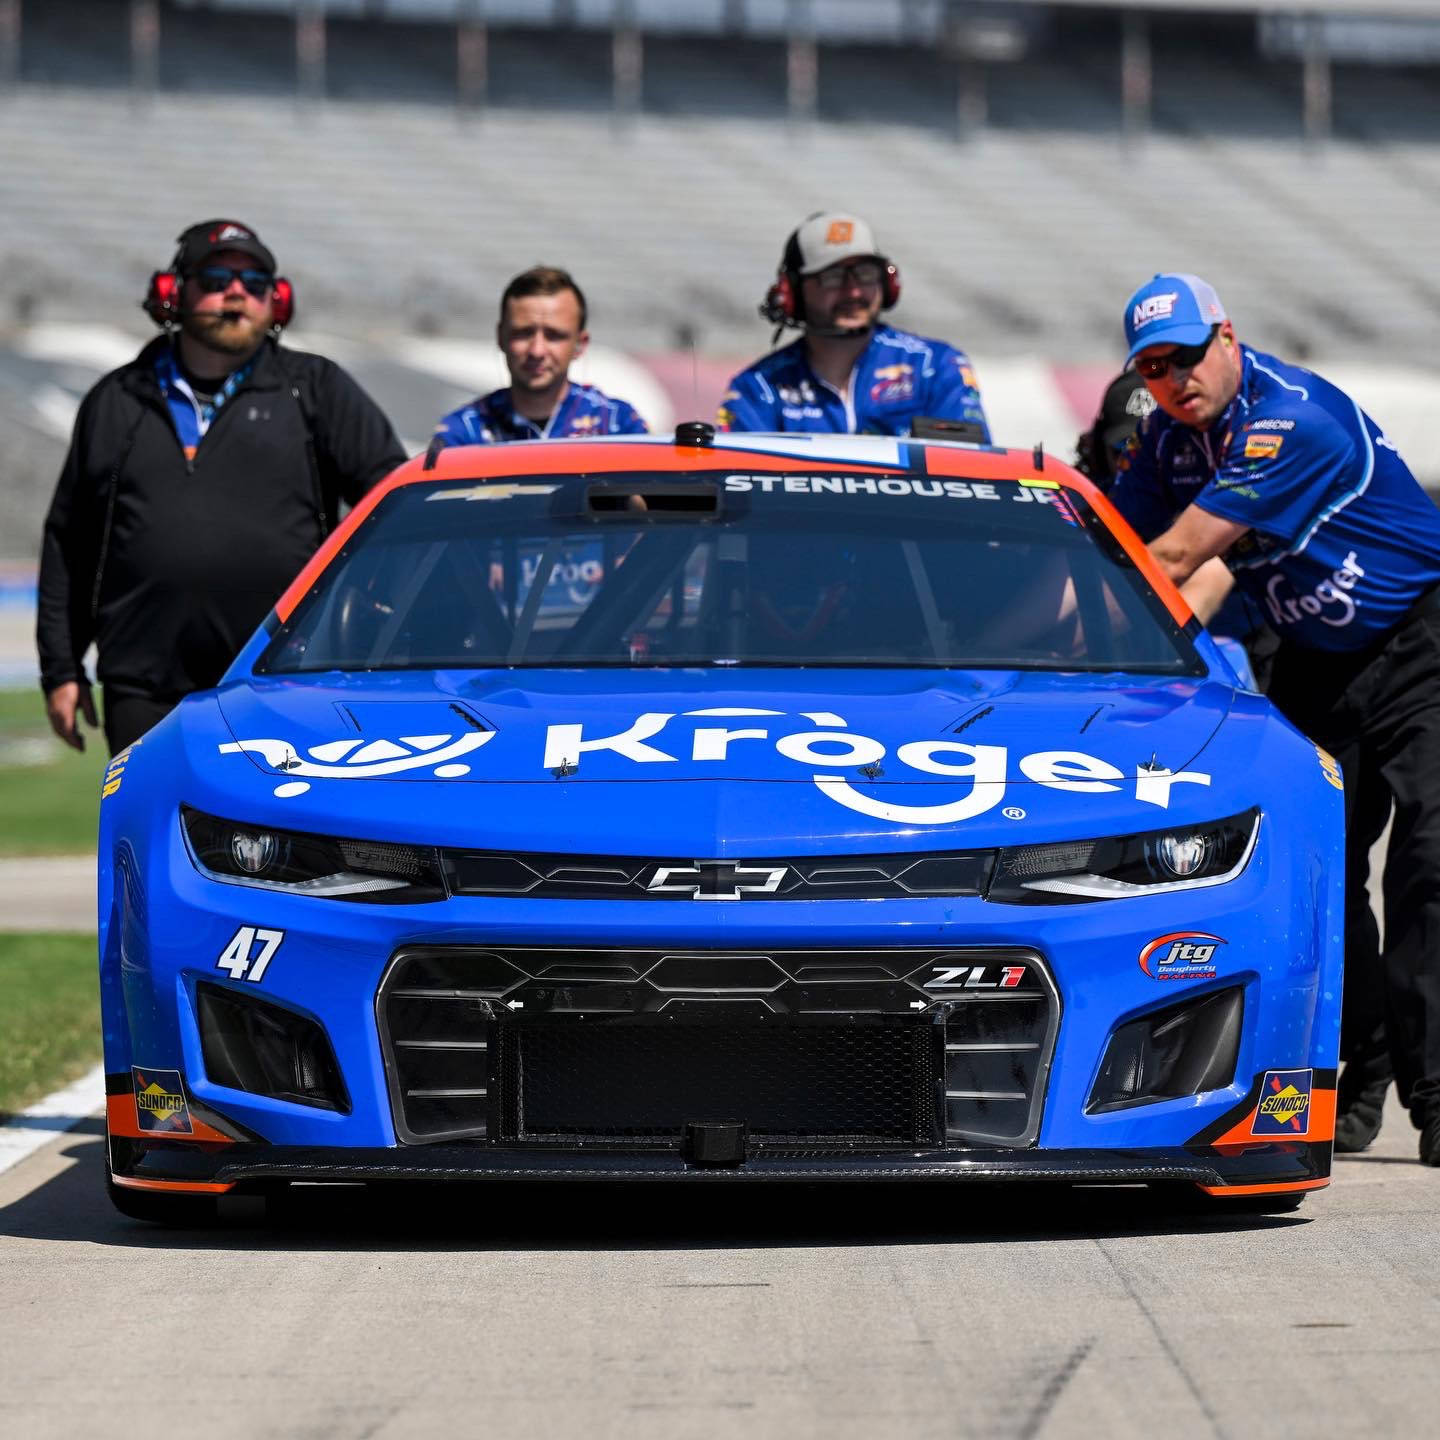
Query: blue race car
(723, 809)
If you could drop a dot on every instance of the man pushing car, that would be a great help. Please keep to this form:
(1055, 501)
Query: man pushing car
(1321, 523)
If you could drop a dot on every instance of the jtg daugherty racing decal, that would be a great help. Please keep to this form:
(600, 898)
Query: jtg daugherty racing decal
(830, 745)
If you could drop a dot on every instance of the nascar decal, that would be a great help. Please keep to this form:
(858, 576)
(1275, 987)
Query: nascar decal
(354, 759)
(1284, 1107)
(160, 1101)
(983, 771)
(1182, 955)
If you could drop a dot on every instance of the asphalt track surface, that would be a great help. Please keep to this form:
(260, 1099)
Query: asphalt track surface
(817, 1311)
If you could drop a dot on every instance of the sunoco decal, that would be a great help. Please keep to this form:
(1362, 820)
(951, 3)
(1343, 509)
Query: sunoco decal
(160, 1101)
(980, 773)
(1284, 1107)
(1181, 955)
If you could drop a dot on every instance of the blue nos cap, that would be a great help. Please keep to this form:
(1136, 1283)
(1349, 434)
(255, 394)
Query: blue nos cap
(1171, 310)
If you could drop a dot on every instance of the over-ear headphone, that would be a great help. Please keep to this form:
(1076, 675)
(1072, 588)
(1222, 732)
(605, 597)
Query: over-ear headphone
(784, 302)
(162, 299)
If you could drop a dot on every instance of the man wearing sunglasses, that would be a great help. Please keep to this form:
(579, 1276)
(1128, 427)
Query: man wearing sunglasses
(200, 478)
(1275, 472)
(848, 373)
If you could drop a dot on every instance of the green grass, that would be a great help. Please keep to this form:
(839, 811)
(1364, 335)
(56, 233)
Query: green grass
(48, 804)
(50, 1015)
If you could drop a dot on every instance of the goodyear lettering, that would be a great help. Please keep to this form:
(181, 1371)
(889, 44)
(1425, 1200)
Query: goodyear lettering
(1330, 768)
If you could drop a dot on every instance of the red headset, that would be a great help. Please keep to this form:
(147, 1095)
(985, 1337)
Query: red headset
(162, 299)
(784, 302)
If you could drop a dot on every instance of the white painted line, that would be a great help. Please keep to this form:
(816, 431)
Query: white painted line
(25, 1133)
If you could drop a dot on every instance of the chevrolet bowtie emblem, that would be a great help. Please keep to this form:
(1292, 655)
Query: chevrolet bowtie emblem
(716, 880)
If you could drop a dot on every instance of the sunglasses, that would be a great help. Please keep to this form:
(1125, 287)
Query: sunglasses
(863, 272)
(212, 279)
(1182, 357)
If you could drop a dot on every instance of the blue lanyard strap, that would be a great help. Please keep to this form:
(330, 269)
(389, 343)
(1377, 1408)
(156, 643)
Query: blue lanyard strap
(191, 418)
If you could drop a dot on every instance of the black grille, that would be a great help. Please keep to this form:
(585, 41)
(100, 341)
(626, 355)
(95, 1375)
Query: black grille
(791, 1082)
(619, 877)
(840, 1048)
(997, 1052)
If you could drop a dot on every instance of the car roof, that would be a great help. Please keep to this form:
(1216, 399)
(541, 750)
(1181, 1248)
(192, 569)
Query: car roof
(795, 453)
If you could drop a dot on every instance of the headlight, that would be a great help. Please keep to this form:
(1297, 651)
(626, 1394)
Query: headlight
(1187, 857)
(373, 871)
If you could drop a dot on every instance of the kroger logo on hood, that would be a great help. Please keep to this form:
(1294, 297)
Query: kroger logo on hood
(826, 750)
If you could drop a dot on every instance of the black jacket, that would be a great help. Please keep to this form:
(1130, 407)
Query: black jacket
(168, 565)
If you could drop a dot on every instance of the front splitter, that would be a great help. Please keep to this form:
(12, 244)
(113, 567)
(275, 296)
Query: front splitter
(1257, 1169)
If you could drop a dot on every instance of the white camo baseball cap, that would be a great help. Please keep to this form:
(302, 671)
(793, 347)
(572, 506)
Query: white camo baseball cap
(829, 237)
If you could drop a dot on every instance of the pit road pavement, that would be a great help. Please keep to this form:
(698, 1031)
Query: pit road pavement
(712, 1311)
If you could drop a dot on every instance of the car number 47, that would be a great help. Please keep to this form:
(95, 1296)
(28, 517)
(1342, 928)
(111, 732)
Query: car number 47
(240, 957)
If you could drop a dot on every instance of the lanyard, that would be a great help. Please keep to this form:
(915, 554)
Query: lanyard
(192, 419)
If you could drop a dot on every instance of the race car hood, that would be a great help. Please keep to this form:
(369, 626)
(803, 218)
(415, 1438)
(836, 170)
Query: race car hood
(629, 760)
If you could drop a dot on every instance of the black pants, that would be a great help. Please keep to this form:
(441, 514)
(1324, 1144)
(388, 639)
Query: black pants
(1378, 713)
(128, 717)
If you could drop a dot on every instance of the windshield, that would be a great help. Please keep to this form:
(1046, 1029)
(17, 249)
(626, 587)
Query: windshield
(839, 568)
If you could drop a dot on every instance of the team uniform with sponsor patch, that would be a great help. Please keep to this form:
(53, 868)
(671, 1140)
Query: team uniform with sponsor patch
(493, 419)
(896, 379)
(1343, 555)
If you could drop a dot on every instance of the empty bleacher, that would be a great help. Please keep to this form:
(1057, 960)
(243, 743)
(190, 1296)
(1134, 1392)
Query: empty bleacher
(395, 211)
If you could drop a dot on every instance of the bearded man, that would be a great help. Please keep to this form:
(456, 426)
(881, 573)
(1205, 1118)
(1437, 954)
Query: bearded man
(200, 478)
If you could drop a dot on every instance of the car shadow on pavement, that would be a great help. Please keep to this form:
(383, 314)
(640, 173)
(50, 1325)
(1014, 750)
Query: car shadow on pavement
(574, 1215)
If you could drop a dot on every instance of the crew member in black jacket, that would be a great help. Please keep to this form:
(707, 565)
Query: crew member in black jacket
(201, 477)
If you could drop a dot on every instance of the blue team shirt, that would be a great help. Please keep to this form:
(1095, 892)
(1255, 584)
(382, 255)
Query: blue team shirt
(1342, 539)
(493, 419)
(897, 377)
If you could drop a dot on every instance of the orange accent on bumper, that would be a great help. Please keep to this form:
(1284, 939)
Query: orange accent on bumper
(1320, 1128)
(1284, 1187)
(121, 1118)
(172, 1187)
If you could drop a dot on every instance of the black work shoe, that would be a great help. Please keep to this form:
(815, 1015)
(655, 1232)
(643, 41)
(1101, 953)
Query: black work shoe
(1357, 1125)
(1430, 1140)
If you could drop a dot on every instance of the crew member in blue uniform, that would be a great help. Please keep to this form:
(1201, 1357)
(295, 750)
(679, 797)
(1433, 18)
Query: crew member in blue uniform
(541, 333)
(1322, 524)
(848, 373)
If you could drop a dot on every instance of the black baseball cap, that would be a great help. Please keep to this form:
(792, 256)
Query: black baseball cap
(200, 242)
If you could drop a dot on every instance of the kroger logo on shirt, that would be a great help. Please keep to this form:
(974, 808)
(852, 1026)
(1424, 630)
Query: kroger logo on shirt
(1156, 307)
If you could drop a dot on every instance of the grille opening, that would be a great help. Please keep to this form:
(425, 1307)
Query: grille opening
(791, 1083)
(264, 1049)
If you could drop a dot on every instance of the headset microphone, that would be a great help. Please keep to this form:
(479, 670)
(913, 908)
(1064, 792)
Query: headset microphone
(784, 302)
(162, 300)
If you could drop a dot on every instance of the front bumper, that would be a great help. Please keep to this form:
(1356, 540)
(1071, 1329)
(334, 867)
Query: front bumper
(168, 939)
(1272, 1169)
